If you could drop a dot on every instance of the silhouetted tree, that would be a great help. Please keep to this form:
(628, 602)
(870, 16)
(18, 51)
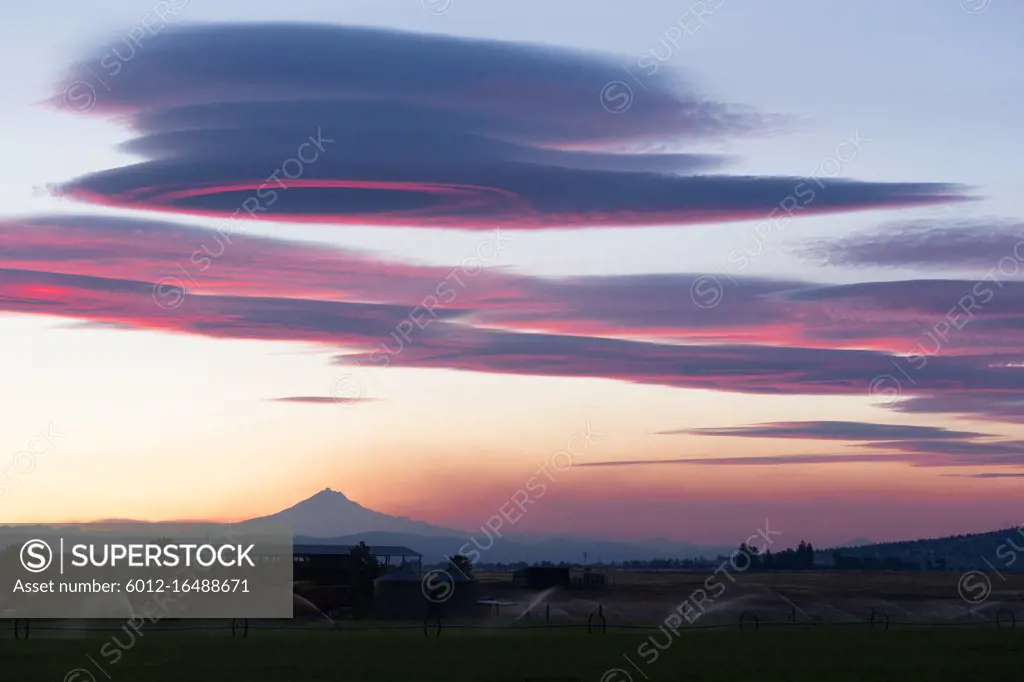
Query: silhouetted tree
(807, 557)
(365, 570)
(460, 564)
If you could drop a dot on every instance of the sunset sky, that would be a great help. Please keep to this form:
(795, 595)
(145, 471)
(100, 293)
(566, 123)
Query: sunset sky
(769, 254)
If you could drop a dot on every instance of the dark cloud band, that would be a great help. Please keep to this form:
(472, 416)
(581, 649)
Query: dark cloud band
(769, 337)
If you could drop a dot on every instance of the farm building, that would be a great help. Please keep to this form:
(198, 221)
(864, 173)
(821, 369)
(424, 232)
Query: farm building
(406, 595)
(313, 562)
(541, 577)
(590, 580)
(325, 575)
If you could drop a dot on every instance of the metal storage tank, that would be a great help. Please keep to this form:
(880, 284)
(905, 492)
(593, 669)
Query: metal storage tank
(406, 595)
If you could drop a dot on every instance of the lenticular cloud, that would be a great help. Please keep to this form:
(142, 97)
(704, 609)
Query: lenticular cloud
(345, 125)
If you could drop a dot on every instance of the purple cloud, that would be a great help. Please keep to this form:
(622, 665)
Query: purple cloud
(367, 126)
(982, 242)
(831, 430)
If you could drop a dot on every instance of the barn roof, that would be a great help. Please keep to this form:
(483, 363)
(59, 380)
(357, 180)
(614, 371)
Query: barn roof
(439, 576)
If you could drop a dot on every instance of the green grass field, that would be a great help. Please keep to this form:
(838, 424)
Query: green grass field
(820, 654)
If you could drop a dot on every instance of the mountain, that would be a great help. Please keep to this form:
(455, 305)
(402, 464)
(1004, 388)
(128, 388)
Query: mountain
(330, 514)
(331, 518)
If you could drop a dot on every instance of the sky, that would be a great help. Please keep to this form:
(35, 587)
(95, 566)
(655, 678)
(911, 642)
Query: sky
(765, 256)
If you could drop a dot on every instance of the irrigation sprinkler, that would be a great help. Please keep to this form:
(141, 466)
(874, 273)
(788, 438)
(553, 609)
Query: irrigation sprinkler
(16, 632)
(749, 617)
(881, 619)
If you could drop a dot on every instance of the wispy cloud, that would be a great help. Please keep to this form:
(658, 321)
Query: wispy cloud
(832, 430)
(772, 460)
(985, 475)
(981, 242)
(322, 400)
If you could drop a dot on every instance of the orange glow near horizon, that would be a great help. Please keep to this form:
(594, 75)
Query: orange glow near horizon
(401, 455)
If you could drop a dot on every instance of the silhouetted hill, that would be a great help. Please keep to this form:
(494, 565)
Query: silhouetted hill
(996, 550)
(509, 550)
(856, 542)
